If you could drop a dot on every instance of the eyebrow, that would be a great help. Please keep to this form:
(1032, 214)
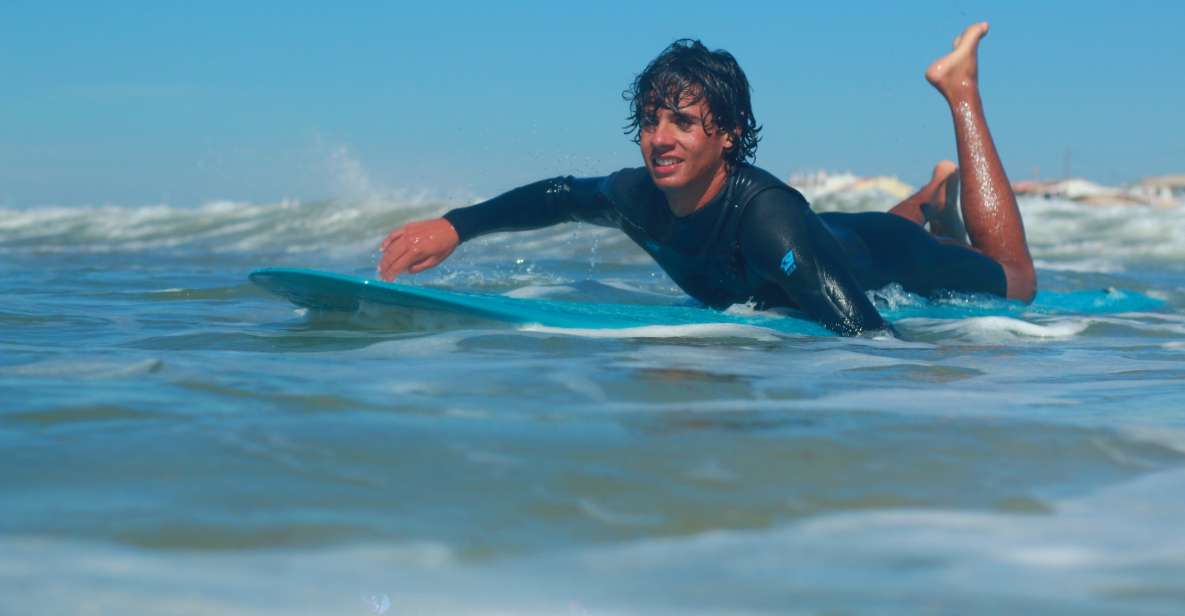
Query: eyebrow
(677, 115)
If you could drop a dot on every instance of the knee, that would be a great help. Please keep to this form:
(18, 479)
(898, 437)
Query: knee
(1022, 282)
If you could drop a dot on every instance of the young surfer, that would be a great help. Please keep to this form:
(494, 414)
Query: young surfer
(727, 232)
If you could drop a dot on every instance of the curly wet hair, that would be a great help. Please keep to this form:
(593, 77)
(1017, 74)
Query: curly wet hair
(686, 72)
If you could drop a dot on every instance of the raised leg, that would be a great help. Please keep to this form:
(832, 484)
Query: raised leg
(989, 207)
(930, 204)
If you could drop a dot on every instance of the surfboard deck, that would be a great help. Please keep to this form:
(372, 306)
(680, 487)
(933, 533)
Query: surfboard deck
(328, 291)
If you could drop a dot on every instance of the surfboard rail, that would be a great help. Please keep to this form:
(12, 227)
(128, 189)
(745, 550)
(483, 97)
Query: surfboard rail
(333, 292)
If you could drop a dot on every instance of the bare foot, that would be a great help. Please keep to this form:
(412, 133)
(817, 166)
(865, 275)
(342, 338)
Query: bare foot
(911, 208)
(941, 170)
(941, 208)
(959, 70)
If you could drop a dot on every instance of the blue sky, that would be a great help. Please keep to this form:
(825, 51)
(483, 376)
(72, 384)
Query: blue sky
(182, 103)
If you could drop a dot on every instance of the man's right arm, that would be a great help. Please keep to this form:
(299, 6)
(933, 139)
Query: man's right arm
(534, 206)
(420, 245)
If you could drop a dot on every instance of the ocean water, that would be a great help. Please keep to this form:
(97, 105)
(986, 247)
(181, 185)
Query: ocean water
(176, 441)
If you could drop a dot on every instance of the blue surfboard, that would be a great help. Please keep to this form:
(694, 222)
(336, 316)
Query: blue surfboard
(331, 292)
(327, 291)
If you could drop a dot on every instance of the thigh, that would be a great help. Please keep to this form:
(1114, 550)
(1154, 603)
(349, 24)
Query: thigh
(894, 249)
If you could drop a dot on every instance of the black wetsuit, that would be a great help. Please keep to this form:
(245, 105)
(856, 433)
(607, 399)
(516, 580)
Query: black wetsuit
(757, 240)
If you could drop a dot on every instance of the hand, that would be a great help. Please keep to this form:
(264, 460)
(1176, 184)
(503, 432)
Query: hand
(417, 246)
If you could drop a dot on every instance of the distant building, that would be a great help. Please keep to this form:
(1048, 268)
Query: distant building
(1166, 188)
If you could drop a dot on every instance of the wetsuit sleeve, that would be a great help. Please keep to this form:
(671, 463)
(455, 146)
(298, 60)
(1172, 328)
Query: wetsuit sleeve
(534, 206)
(787, 245)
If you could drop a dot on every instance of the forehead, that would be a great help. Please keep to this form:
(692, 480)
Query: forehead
(669, 89)
(687, 101)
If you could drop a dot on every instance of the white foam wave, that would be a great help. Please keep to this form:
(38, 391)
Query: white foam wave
(749, 309)
(852, 201)
(635, 289)
(1063, 236)
(538, 291)
(997, 329)
(829, 355)
(1101, 266)
(1060, 231)
(222, 226)
(1147, 322)
(698, 330)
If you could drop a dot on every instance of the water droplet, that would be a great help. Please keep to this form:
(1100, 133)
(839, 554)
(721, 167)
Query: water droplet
(379, 604)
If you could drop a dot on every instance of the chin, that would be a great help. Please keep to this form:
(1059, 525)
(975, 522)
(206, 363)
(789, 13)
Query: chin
(667, 181)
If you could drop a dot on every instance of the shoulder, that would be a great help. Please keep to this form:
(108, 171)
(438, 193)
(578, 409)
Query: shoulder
(761, 194)
(747, 174)
(632, 193)
(750, 181)
(775, 218)
(764, 197)
(628, 185)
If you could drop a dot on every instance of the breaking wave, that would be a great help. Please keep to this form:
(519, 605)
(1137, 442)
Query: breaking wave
(1064, 236)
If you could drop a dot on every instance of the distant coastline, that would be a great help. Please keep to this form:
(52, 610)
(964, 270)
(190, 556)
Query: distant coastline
(1167, 191)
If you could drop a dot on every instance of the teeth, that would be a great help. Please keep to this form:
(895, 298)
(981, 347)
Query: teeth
(666, 161)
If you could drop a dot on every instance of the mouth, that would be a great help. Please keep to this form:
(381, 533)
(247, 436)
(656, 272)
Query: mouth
(664, 165)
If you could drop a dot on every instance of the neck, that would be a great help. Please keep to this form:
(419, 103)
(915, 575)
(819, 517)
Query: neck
(689, 199)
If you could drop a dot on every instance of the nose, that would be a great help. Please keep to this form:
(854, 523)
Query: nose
(663, 135)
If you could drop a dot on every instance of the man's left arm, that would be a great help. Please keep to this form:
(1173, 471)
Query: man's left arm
(789, 246)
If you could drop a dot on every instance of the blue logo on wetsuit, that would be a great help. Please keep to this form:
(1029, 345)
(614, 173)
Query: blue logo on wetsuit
(788, 264)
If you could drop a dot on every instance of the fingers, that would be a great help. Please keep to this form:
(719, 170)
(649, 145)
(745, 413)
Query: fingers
(402, 256)
(391, 250)
(401, 264)
(393, 236)
(416, 246)
(393, 254)
(423, 265)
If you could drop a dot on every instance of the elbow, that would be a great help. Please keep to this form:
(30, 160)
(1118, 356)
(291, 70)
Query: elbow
(856, 315)
(855, 328)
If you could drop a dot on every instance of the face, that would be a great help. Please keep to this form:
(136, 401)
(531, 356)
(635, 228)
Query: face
(679, 151)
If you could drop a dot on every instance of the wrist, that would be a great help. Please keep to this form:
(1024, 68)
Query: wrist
(457, 222)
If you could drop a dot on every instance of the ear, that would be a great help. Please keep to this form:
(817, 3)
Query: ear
(730, 140)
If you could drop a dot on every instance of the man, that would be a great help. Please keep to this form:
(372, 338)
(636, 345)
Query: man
(727, 232)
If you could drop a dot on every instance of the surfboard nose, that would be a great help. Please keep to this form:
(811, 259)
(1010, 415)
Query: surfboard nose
(307, 289)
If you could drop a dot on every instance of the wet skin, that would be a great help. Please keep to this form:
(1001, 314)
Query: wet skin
(989, 207)
(684, 153)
